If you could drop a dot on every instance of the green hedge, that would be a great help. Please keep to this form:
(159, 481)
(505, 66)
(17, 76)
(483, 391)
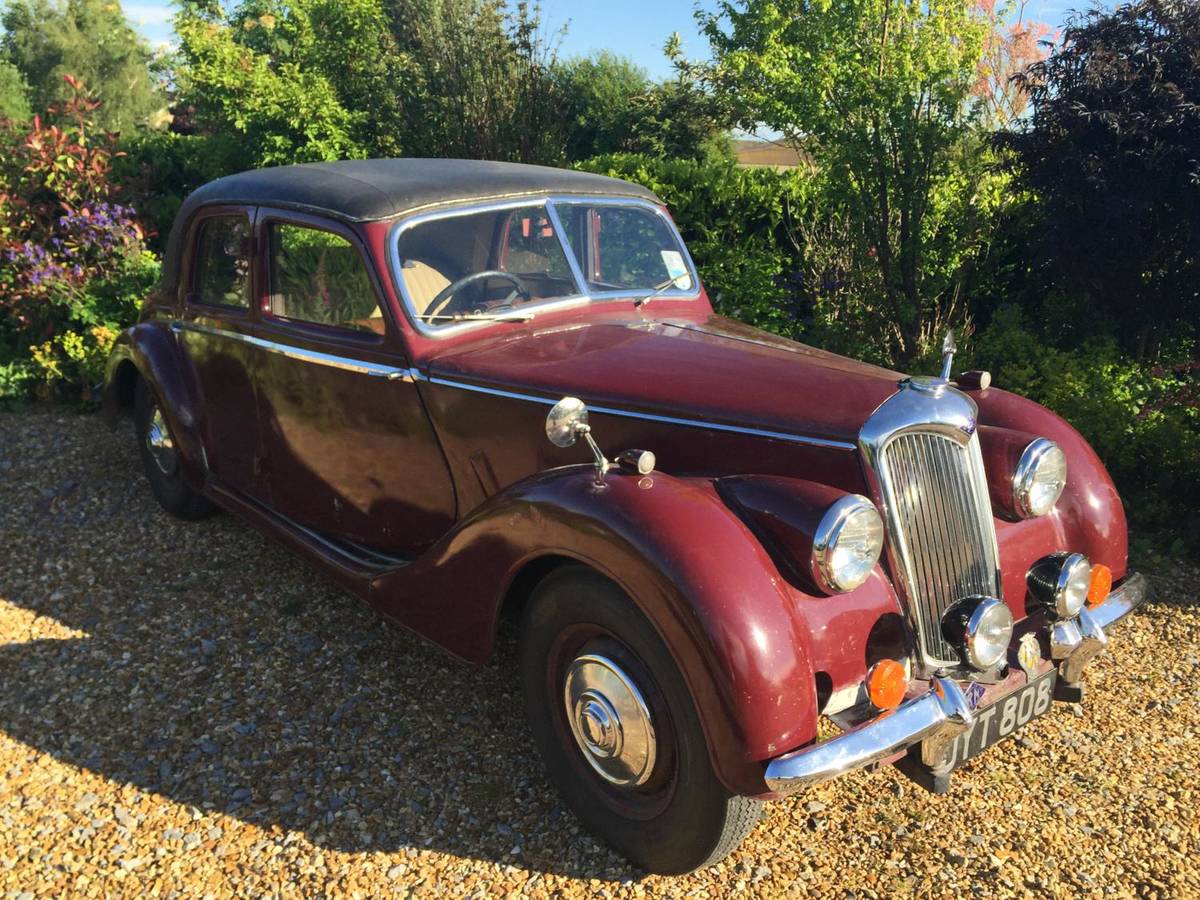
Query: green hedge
(737, 225)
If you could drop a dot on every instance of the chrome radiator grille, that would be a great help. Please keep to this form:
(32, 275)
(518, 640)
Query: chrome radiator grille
(939, 516)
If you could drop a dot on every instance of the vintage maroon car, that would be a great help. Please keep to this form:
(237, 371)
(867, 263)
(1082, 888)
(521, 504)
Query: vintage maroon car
(365, 360)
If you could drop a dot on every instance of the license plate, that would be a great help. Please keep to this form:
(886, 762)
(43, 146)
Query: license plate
(999, 720)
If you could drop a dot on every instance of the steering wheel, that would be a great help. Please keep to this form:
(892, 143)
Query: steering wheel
(443, 297)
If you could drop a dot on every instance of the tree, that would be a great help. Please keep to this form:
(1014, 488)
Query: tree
(254, 83)
(14, 93)
(91, 40)
(481, 83)
(879, 93)
(279, 81)
(610, 105)
(597, 91)
(1111, 153)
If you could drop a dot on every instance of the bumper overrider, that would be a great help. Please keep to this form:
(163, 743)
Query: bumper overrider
(936, 718)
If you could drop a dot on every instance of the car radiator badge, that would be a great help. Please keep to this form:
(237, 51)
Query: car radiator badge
(1029, 655)
(975, 693)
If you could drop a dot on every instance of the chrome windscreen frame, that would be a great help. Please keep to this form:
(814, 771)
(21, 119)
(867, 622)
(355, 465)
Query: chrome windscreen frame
(548, 201)
(929, 405)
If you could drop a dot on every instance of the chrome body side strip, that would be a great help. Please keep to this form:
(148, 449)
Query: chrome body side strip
(649, 417)
(333, 361)
(412, 374)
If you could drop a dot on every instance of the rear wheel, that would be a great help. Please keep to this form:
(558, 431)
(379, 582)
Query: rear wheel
(160, 459)
(619, 732)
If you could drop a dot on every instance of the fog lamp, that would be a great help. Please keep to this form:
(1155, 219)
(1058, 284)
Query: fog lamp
(1060, 583)
(981, 629)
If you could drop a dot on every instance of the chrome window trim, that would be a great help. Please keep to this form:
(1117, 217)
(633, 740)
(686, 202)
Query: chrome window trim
(331, 360)
(559, 232)
(547, 201)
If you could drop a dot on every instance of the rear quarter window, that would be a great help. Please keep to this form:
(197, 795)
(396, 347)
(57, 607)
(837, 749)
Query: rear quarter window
(221, 273)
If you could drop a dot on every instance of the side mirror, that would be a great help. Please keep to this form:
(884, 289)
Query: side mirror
(566, 421)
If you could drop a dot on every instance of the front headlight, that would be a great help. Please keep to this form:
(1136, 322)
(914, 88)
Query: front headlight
(1040, 478)
(847, 544)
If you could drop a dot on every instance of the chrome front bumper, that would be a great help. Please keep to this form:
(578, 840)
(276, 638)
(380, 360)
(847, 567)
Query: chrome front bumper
(940, 715)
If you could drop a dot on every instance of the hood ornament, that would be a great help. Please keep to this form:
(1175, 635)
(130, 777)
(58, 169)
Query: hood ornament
(948, 350)
(975, 380)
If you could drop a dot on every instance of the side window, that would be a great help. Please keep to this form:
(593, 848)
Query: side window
(222, 263)
(319, 277)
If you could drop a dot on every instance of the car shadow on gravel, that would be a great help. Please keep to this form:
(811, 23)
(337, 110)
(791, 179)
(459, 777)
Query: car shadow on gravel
(212, 668)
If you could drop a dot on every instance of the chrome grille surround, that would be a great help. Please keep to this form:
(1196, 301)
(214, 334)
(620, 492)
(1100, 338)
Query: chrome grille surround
(925, 469)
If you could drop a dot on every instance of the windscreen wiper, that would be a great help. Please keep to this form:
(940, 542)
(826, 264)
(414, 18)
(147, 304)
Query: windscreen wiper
(658, 289)
(479, 317)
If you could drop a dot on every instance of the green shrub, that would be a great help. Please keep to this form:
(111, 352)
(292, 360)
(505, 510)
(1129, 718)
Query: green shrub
(1144, 422)
(73, 266)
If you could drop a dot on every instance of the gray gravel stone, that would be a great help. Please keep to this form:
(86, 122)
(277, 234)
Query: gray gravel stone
(375, 766)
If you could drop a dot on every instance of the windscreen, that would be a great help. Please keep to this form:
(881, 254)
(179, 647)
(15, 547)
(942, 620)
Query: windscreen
(624, 248)
(507, 262)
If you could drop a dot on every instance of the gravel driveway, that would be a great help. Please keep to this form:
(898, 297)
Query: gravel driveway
(185, 709)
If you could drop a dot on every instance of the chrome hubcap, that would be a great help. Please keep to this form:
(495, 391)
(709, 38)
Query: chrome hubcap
(159, 442)
(610, 720)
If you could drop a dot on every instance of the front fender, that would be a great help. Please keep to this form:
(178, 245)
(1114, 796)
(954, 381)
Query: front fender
(1089, 517)
(694, 569)
(150, 350)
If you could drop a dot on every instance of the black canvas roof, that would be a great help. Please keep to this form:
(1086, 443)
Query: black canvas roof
(373, 189)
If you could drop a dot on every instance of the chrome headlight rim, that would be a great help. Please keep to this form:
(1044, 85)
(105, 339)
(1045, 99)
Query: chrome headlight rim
(1032, 458)
(971, 621)
(1059, 584)
(1072, 565)
(825, 540)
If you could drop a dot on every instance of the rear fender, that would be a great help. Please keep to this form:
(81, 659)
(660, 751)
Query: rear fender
(150, 350)
(691, 565)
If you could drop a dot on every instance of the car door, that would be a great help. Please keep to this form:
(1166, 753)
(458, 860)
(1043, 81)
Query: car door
(350, 451)
(216, 318)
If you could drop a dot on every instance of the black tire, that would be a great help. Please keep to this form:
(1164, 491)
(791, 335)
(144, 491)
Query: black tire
(682, 818)
(166, 483)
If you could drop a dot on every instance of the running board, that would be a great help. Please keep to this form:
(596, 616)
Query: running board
(357, 553)
(351, 563)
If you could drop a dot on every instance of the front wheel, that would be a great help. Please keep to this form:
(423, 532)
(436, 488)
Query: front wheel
(160, 459)
(618, 730)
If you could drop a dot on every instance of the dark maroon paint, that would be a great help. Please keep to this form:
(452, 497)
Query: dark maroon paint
(466, 485)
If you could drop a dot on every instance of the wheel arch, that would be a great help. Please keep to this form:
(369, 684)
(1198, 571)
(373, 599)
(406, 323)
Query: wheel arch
(689, 564)
(525, 580)
(150, 352)
(119, 392)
